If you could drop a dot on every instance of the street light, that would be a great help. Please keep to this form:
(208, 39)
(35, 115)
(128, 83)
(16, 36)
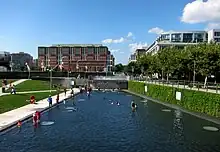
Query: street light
(29, 70)
(194, 72)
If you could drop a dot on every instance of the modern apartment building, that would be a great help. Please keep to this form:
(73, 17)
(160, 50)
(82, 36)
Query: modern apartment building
(214, 35)
(138, 53)
(75, 57)
(178, 39)
(181, 39)
(18, 61)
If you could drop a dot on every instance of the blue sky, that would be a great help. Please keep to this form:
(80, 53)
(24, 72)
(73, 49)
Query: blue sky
(126, 24)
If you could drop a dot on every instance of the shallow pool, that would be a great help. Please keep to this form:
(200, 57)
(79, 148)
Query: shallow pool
(96, 125)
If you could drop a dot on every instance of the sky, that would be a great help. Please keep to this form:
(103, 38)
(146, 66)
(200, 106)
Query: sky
(122, 25)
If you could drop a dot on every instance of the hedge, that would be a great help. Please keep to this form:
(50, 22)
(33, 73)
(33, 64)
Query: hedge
(204, 102)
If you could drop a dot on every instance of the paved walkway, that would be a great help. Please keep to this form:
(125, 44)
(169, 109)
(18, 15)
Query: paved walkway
(10, 118)
(13, 83)
(186, 87)
(25, 92)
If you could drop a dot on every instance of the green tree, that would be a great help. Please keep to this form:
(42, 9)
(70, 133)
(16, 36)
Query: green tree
(119, 68)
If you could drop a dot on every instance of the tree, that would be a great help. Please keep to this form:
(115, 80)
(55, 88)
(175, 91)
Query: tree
(119, 68)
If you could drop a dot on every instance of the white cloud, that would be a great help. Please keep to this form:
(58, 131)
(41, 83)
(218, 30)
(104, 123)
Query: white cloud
(109, 41)
(200, 11)
(122, 52)
(134, 46)
(119, 40)
(212, 26)
(114, 50)
(130, 34)
(156, 30)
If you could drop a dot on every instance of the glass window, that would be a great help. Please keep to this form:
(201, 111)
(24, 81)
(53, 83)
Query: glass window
(65, 51)
(90, 50)
(217, 33)
(41, 51)
(52, 51)
(77, 51)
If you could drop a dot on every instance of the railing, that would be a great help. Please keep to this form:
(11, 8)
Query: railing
(209, 87)
(110, 78)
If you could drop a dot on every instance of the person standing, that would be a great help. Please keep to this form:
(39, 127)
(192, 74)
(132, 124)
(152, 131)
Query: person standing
(57, 98)
(50, 101)
(65, 91)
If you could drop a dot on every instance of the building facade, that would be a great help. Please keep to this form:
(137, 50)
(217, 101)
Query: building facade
(178, 39)
(5, 61)
(75, 57)
(181, 39)
(138, 53)
(19, 60)
(214, 35)
(132, 58)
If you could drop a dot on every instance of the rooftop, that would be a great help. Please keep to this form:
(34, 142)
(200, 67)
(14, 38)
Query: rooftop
(77, 45)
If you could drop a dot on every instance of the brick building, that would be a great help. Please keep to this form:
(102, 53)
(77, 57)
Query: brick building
(75, 57)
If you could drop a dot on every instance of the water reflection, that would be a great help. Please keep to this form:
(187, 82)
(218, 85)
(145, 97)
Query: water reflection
(178, 125)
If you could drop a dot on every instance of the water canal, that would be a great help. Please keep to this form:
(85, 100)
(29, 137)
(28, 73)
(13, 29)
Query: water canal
(97, 125)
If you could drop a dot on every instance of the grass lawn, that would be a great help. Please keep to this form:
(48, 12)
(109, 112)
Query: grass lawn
(33, 85)
(10, 102)
(9, 80)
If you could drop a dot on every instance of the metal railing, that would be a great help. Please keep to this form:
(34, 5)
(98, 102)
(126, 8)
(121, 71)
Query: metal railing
(199, 86)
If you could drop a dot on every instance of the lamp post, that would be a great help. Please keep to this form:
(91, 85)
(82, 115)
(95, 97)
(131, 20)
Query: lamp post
(194, 72)
(11, 64)
(86, 68)
(132, 70)
(29, 70)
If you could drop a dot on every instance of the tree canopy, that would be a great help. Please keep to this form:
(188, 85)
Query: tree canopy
(204, 59)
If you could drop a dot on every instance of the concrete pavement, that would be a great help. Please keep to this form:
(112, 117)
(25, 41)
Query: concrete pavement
(13, 83)
(10, 118)
(25, 92)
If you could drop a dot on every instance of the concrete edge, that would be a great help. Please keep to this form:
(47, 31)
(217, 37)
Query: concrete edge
(177, 107)
(7, 128)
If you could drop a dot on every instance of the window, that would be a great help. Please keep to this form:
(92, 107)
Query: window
(41, 51)
(65, 51)
(77, 51)
(217, 33)
(90, 50)
(176, 37)
(52, 51)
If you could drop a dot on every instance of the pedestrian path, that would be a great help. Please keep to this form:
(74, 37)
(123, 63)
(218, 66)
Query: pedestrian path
(186, 87)
(26, 92)
(13, 83)
(10, 118)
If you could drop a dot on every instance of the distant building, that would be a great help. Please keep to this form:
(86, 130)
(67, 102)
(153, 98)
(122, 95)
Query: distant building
(132, 58)
(5, 61)
(138, 53)
(178, 39)
(181, 39)
(75, 57)
(214, 35)
(18, 61)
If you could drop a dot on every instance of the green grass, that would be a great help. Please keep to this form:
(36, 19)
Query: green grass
(10, 102)
(9, 80)
(33, 85)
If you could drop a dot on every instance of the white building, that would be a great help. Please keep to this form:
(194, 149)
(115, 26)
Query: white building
(178, 39)
(132, 58)
(214, 35)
